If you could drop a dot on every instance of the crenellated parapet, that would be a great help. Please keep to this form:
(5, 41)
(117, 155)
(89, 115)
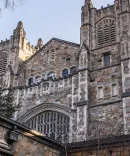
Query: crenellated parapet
(105, 11)
(4, 44)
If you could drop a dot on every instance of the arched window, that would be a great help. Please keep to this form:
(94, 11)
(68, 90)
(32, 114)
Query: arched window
(51, 75)
(38, 80)
(73, 70)
(112, 31)
(106, 32)
(52, 124)
(52, 56)
(65, 72)
(30, 82)
(3, 62)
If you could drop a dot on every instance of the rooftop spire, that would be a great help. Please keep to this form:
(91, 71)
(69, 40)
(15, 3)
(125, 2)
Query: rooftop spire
(20, 24)
(89, 2)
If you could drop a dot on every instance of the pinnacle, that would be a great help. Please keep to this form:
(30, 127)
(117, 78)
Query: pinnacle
(88, 1)
(20, 24)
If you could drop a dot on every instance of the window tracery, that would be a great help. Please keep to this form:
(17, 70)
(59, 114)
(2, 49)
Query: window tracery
(3, 62)
(106, 32)
(52, 124)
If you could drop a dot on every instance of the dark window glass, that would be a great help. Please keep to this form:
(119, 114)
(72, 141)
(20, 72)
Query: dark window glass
(110, 153)
(30, 82)
(65, 72)
(107, 59)
(68, 60)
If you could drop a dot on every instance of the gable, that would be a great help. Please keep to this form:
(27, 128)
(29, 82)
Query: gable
(52, 57)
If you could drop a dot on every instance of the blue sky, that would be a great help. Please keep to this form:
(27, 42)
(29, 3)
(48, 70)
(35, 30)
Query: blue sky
(46, 19)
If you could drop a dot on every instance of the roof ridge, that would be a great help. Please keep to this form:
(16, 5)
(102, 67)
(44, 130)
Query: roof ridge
(55, 39)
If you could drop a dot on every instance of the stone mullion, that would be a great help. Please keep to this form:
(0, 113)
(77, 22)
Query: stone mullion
(37, 123)
(43, 130)
(40, 123)
(33, 122)
(109, 32)
(49, 123)
(56, 125)
(103, 32)
(62, 125)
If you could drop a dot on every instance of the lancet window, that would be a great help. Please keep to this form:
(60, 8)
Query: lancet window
(106, 32)
(52, 57)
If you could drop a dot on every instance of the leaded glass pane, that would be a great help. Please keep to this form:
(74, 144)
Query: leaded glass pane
(52, 124)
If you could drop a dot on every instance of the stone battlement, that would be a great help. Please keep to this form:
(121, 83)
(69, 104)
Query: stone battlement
(5, 43)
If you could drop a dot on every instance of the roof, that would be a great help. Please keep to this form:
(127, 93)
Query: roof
(57, 40)
(22, 129)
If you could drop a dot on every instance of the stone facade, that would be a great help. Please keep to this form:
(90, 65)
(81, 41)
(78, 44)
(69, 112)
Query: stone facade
(28, 142)
(86, 84)
(18, 140)
(117, 146)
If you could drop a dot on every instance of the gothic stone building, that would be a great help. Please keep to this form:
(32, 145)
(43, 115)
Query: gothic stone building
(74, 92)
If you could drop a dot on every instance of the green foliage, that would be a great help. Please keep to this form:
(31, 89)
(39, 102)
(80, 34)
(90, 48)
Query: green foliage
(7, 106)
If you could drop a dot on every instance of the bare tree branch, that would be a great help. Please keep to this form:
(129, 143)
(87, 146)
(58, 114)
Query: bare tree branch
(10, 4)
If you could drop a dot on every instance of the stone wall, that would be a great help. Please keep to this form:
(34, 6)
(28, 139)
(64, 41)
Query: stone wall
(111, 146)
(117, 151)
(54, 56)
(30, 143)
(78, 92)
(30, 147)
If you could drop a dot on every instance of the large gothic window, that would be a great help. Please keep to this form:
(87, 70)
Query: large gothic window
(3, 62)
(52, 124)
(106, 32)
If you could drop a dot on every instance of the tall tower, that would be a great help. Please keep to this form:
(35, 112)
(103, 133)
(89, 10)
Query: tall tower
(83, 75)
(124, 6)
(85, 22)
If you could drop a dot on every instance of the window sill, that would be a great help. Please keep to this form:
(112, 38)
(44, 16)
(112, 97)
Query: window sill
(100, 99)
(114, 95)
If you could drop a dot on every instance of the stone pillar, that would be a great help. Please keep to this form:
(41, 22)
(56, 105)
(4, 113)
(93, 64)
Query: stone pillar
(125, 61)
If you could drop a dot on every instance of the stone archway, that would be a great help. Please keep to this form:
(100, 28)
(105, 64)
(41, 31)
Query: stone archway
(50, 119)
